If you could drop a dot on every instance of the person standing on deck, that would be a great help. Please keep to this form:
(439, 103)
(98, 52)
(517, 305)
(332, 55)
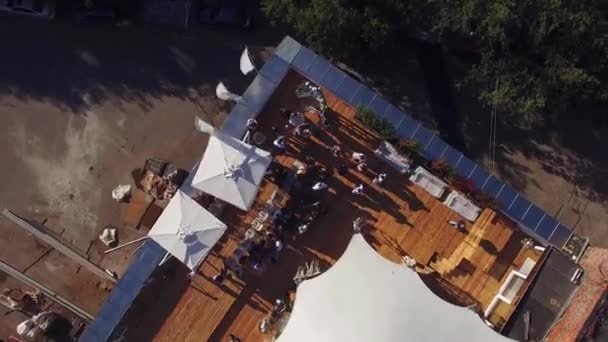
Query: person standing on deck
(379, 179)
(279, 144)
(358, 190)
(319, 186)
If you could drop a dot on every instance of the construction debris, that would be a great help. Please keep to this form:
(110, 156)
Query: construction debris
(108, 236)
(121, 192)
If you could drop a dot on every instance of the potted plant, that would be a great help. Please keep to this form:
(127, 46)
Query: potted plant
(442, 169)
(385, 129)
(465, 186)
(484, 200)
(409, 147)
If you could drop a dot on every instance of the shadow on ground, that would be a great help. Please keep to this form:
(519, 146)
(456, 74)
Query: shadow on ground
(73, 67)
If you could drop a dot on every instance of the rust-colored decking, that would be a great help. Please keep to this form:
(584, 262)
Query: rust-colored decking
(403, 218)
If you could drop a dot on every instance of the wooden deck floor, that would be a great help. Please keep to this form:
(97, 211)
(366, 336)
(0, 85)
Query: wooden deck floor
(469, 266)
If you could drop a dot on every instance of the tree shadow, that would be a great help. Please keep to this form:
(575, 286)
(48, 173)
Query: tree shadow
(86, 66)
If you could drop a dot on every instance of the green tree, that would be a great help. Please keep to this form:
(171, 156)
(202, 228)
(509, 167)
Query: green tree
(339, 28)
(533, 58)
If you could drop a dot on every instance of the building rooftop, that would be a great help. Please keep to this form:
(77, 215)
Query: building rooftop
(465, 268)
(549, 295)
(585, 300)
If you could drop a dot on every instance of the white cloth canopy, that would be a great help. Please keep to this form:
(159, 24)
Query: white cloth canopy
(224, 94)
(187, 230)
(365, 297)
(203, 126)
(246, 64)
(231, 170)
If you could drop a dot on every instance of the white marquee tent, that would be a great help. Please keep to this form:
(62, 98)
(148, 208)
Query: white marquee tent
(231, 170)
(187, 230)
(365, 297)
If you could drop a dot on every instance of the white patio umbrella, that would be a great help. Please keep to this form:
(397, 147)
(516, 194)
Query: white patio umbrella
(231, 170)
(187, 230)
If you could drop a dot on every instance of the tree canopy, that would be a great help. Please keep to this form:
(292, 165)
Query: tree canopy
(532, 58)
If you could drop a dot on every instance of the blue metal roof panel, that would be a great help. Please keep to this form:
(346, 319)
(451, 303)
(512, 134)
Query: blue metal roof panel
(317, 70)
(452, 156)
(479, 177)
(379, 106)
(408, 127)
(436, 149)
(465, 167)
(393, 115)
(493, 186)
(423, 136)
(348, 88)
(363, 96)
(532, 219)
(332, 79)
(506, 196)
(304, 59)
(546, 227)
(519, 207)
(236, 123)
(259, 92)
(560, 236)
(125, 292)
(288, 49)
(275, 69)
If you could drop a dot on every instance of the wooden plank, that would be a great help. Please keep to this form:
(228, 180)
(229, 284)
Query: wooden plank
(138, 205)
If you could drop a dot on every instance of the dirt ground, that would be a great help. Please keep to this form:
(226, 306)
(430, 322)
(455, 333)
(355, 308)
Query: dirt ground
(81, 109)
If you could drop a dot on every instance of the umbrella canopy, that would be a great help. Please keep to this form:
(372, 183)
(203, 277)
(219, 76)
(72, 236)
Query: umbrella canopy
(365, 297)
(187, 230)
(231, 170)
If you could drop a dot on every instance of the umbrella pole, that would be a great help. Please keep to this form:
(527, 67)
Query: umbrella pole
(165, 258)
(125, 244)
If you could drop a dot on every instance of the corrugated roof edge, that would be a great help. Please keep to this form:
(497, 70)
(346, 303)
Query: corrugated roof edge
(115, 307)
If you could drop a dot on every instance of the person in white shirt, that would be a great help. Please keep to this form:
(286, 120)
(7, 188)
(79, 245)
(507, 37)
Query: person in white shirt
(296, 119)
(379, 179)
(358, 190)
(303, 130)
(359, 157)
(319, 186)
(252, 124)
(279, 143)
(335, 151)
(276, 251)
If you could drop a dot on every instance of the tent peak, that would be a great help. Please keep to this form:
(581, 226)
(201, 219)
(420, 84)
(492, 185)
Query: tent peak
(233, 172)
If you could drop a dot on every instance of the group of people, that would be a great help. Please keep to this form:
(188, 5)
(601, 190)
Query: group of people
(361, 165)
(258, 253)
(294, 120)
(360, 161)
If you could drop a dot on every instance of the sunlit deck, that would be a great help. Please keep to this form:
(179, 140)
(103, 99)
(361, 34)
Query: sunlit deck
(464, 267)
